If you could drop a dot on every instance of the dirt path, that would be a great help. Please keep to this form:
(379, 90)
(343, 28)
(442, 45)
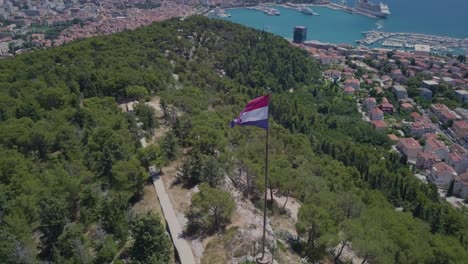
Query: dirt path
(162, 130)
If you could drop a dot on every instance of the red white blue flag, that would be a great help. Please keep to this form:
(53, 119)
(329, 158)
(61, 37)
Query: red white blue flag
(254, 114)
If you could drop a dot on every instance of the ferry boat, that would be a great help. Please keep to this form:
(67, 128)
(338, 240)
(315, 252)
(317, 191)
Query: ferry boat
(378, 10)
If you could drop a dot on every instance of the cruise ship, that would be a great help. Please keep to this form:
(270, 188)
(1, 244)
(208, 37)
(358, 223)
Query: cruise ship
(378, 10)
(307, 11)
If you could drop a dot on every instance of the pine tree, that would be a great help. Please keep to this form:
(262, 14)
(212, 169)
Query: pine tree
(450, 189)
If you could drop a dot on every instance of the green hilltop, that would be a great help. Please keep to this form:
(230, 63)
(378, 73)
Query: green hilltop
(71, 165)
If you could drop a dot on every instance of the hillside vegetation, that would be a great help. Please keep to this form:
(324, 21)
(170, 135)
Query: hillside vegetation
(71, 165)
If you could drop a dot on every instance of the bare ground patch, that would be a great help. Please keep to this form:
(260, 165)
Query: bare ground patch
(149, 202)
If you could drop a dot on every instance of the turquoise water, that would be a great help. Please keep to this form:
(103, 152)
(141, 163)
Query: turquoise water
(441, 17)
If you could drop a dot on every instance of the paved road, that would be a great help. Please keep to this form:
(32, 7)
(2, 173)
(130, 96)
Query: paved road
(183, 248)
(181, 245)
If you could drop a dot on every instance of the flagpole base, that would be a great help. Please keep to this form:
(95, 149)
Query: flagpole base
(265, 260)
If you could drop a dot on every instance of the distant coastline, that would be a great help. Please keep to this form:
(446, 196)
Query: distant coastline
(293, 6)
(381, 39)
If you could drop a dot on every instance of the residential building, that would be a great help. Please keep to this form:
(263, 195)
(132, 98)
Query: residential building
(438, 147)
(377, 114)
(379, 125)
(462, 112)
(458, 162)
(430, 84)
(425, 93)
(387, 81)
(409, 147)
(458, 158)
(460, 128)
(353, 83)
(459, 83)
(300, 34)
(370, 103)
(448, 80)
(400, 92)
(406, 107)
(326, 60)
(349, 90)
(333, 74)
(456, 148)
(460, 187)
(422, 127)
(441, 174)
(443, 113)
(396, 74)
(415, 116)
(386, 106)
(426, 159)
(462, 95)
(422, 50)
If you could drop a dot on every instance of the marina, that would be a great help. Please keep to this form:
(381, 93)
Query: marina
(409, 40)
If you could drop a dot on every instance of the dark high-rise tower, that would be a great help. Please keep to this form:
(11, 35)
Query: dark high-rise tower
(300, 34)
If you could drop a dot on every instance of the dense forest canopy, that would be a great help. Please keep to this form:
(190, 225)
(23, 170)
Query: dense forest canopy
(71, 164)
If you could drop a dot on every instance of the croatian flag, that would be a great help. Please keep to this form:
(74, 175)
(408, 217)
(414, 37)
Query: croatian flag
(254, 114)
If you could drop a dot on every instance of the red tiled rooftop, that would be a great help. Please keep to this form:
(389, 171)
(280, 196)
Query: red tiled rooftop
(349, 89)
(376, 111)
(462, 178)
(429, 136)
(442, 166)
(461, 124)
(379, 123)
(392, 137)
(386, 105)
(456, 148)
(440, 107)
(410, 143)
(406, 105)
(352, 81)
(435, 144)
(454, 157)
(415, 115)
(449, 115)
(428, 155)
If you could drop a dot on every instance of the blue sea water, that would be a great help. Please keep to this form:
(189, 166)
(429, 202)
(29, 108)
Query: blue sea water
(434, 17)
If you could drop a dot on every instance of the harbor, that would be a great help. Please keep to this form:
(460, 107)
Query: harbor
(362, 8)
(341, 24)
